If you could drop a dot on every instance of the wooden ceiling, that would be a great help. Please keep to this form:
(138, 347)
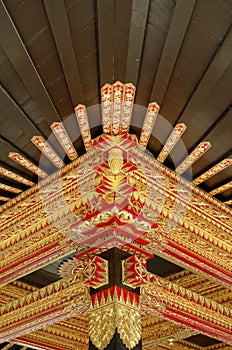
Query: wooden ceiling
(55, 54)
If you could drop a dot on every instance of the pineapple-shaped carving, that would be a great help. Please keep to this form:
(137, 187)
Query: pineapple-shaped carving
(115, 160)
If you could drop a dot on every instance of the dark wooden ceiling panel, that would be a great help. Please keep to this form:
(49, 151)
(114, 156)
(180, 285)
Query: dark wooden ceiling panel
(18, 92)
(105, 28)
(202, 340)
(159, 18)
(55, 54)
(217, 68)
(209, 113)
(179, 24)
(60, 28)
(121, 38)
(21, 59)
(83, 24)
(199, 48)
(40, 45)
(139, 14)
(8, 75)
(15, 114)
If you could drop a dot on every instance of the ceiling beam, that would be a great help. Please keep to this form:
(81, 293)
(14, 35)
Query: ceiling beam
(176, 303)
(48, 305)
(10, 147)
(17, 115)
(139, 14)
(58, 20)
(218, 160)
(105, 27)
(180, 305)
(220, 63)
(20, 58)
(178, 26)
(122, 21)
(32, 177)
(226, 115)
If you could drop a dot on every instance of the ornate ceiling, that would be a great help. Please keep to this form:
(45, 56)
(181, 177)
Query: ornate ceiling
(58, 54)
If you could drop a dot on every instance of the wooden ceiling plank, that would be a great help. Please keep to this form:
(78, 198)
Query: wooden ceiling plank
(178, 26)
(105, 28)
(123, 11)
(58, 20)
(139, 16)
(219, 64)
(226, 115)
(17, 115)
(18, 176)
(8, 346)
(64, 294)
(12, 147)
(20, 58)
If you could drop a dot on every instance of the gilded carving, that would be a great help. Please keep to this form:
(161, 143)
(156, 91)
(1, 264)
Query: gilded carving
(116, 310)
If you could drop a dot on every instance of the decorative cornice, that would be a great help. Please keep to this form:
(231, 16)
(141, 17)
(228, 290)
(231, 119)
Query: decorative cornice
(50, 304)
(115, 308)
(93, 271)
(191, 227)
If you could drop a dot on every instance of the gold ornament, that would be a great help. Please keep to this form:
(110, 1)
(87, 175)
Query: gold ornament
(115, 160)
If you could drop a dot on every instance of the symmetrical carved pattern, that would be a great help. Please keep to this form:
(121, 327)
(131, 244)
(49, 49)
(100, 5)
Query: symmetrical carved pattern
(14, 176)
(44, 306)
(117, 105)
(171, 141)
(18, 158)
(222, 188)
(112, 309)
(82, 118)
(47, 150)
(213, 171)
(149, 121)
(116, 195)
(63, 138)
(9, 188)
(196, 154)
(168, 214)
(92, 271)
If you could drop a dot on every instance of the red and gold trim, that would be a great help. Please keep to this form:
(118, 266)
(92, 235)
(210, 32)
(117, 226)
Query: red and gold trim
(9, 188)
(171, 141)
(117, 105)
(128, 101)
(221, 189)
(64, 139)
(71, 333)
(14, 176)
(196, 154)
(115, 309)
(118, 92)
(47, 150)
(213, 171)
(148, 124)
(18, 158)
(178, 304)
(199, 236)
(4, 199)
(45, 306)
(82, 118)
(106, 104)
(92, 271)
